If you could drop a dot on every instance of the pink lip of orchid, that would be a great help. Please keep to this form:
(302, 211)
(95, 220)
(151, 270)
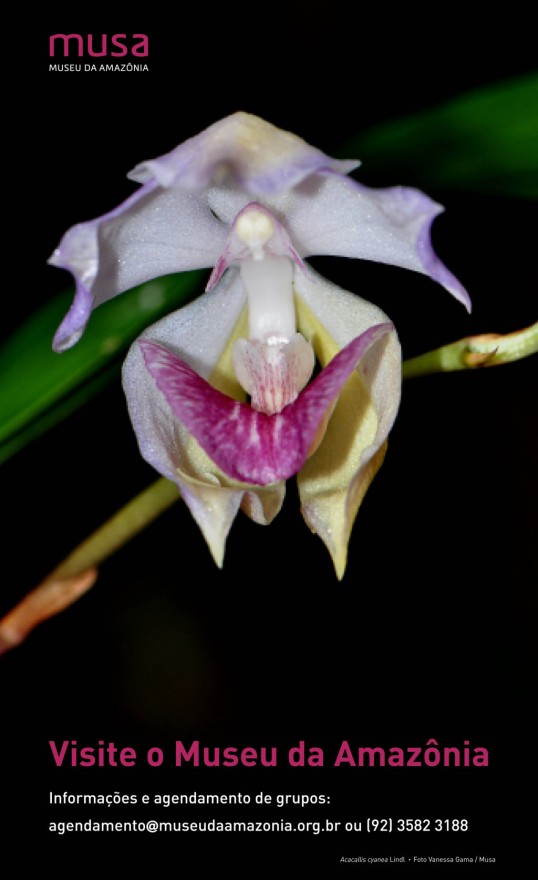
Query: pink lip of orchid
(252, 202)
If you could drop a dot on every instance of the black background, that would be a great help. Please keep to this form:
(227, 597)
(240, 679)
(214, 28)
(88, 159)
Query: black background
(431, 632)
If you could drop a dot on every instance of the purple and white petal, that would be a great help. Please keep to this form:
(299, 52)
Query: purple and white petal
(246, 444)
(244, 150)
(154, 232)
(199, 333)
(337, 216)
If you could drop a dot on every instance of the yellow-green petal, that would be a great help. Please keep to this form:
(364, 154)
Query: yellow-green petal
(335, 479)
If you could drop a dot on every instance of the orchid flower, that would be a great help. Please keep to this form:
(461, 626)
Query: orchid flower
(220, 392)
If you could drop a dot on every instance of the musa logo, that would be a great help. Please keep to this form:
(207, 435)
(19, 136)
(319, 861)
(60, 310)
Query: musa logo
(97, 47)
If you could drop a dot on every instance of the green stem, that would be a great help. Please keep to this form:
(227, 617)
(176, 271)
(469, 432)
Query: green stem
(77, 573)
(486, 350)
(119, 529)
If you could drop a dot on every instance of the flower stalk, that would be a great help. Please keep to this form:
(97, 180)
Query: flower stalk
(78, 572)
(484, 350)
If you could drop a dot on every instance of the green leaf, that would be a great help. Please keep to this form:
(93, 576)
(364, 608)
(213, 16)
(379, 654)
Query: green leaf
(39, 387)
(485, 140)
